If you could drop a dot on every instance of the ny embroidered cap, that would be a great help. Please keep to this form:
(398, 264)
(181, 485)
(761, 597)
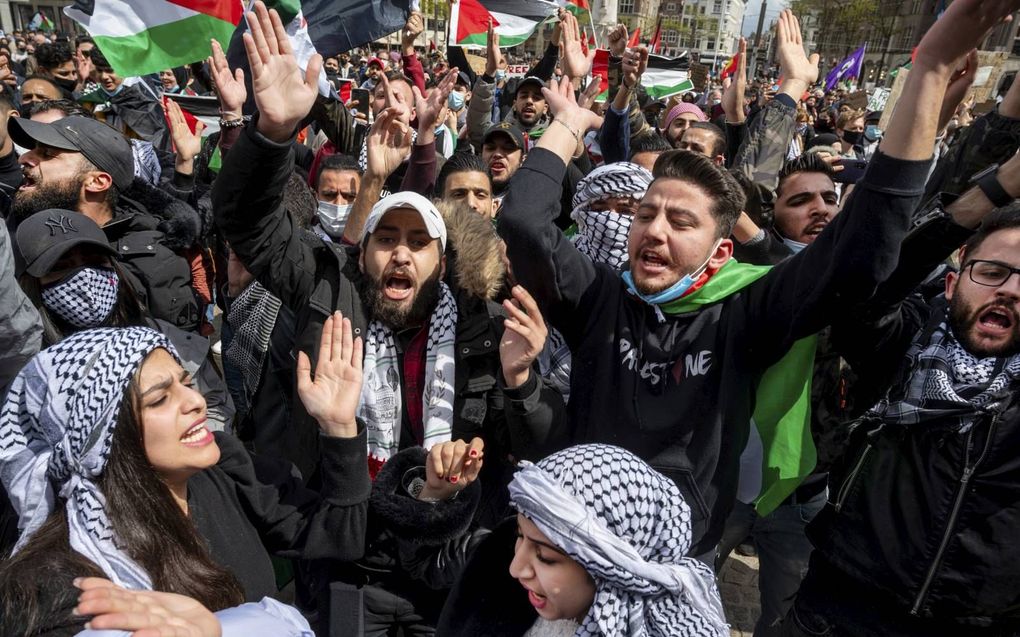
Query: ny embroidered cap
(408, 200)
(102, 145)
(46, 236)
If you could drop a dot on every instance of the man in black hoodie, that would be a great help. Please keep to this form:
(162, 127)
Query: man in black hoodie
(673, 376)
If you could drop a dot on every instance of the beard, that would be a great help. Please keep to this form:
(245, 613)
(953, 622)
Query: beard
(398, 315)
(963, 317)
(62, 195)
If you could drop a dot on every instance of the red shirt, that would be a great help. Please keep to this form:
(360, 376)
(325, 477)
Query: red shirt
(414, 382)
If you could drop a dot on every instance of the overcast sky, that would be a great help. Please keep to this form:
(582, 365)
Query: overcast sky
(754, 8)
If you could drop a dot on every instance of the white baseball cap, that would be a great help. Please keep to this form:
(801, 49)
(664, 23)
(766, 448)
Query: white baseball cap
(406, 199)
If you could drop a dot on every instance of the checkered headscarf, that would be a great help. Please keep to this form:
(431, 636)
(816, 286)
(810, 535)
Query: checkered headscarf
(56, 426)
(629, 527)
(602, 235)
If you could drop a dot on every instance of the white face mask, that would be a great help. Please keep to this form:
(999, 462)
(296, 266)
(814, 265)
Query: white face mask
(333, 218)
(796, 246)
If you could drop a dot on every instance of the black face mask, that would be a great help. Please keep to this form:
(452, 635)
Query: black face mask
(852, 137)
(67, 85)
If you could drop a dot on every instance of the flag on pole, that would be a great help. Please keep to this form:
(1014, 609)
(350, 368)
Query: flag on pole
(146, 36)
(666, 77)
(580, 8)
(513, 21)
(40, 22)
(584, 41)
(635, 38)
(653, 46)
(731, 67)
(848, 68)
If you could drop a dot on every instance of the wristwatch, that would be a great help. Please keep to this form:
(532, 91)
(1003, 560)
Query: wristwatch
(988, 181)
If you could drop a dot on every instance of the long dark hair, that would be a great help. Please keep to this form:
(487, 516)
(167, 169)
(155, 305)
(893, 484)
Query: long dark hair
(35, 584)
(129, 311)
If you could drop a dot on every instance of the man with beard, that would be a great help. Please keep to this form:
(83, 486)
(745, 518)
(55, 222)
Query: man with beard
(669, 358)
(503, 150)
(806, 201)
(439, 364)
(76, 163)
(920, 523)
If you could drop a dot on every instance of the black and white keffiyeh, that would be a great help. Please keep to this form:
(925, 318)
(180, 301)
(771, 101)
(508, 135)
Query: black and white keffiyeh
(948, 384)
(381, 395)
(252, 316)
(85, 297)
(56, 427)
(602, 235)
(630, 528)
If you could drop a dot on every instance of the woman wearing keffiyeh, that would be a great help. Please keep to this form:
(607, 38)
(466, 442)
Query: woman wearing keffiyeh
(600, 549)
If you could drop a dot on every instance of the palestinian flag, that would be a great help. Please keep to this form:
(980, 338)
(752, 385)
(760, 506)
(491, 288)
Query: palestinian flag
(139, 37)
(40, 22)
(635, 38)
(656, 42)
(513, 21)
(580, 8)
(666, 77)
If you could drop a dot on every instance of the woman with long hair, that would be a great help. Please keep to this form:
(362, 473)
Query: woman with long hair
(107, 458)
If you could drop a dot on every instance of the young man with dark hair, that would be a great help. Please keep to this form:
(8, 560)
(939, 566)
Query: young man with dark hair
(674, 358)
(705, 138)
(57, 62)
(646, 148)
(464, 177)
(806, 200)
(337, 182)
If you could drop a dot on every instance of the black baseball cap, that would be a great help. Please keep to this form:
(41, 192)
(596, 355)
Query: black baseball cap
(46, 236)
(103, 146)
(531, 79)
(508, 129)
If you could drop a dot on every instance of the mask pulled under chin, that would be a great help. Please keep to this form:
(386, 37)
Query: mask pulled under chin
(333, 218)
(84, 298)
(796, 246)
(674, 291)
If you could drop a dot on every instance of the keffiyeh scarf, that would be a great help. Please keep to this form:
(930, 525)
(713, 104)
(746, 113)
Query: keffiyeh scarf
(629, 527)
(602, 235)
(56, 427)
(252, 316)
(381, 395)
(949, 384)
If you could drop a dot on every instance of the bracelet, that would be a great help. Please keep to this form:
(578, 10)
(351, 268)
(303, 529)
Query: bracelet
(577, 136)
(232, 123)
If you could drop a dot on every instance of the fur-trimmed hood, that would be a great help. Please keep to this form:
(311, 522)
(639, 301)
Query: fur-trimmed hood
(475, 252)
(180, 224)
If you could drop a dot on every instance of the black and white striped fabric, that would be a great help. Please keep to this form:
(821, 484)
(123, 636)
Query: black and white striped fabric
(602, 235)
(85, 298)
(252, 316)
(56, 426)
(630, 528)
(382, 397)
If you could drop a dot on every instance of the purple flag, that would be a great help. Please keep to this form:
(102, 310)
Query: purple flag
(850, 67)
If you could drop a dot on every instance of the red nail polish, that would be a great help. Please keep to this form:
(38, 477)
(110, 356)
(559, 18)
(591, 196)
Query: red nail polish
(473, 454)
(453, 479)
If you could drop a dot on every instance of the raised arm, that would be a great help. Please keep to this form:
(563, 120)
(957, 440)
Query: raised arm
(860, 249)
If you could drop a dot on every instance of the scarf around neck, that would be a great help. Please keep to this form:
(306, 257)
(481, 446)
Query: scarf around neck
(56, 429)
(630, 528)
(252, 316)
(381, 405)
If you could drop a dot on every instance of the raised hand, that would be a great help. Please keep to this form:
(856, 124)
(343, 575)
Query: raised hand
(962, 28)
(230, 87)
(451, 467)
(186, 144)
(283, 93)
(559, 95)
(387, 144)
(590, 92)
(332, 397)
(618, 40)
(959, 83)
(84, 66)
(412, 29)
(523, 339)
(575, 63)
(733, 94)
(428, 108)
(635, 61)
(493, 56)
(395, 100)
(146, 613)
(799, 71)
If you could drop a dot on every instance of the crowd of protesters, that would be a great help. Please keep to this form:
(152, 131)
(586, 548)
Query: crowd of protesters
(472, 353)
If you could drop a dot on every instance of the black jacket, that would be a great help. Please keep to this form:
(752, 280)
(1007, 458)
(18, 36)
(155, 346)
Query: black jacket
(316, 278)
(923, 514)
(679, 392)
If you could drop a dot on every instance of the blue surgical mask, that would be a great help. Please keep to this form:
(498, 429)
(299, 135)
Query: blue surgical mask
(674, 291)
(455, 101)
(871, 132)
(500, 75)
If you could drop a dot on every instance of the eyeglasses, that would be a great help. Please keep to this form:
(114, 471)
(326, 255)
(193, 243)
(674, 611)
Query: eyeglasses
(990, 273)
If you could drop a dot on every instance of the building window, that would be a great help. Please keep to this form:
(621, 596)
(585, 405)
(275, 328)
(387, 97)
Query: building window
(671, 37)
(907, 38)
(915, 7)
(710, 45)
(717, 7)
(626, 6)
(671, 7)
